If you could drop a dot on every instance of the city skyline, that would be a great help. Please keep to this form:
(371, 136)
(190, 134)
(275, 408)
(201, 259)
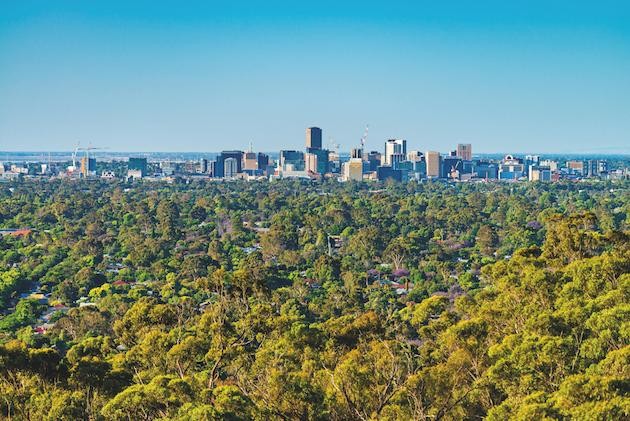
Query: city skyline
(203, 77)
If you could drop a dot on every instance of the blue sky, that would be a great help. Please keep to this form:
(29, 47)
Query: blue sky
(535, 76)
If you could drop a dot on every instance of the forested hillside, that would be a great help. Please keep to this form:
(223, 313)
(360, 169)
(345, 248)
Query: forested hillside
(299, 301)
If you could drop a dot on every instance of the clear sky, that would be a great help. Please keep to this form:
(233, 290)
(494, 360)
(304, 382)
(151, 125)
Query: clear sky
(506, 76)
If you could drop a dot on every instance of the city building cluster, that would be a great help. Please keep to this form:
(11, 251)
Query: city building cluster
(315, 162)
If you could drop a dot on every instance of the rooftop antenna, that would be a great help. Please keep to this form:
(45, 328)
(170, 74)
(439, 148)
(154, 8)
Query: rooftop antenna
(251, 146)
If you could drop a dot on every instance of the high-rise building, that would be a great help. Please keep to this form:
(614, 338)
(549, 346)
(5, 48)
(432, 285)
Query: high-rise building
(464, 151)
(310, 162)
(595, 168)
(291, 160)
(353, 169)
(230, 167)
(219, 166)
(203, 165)
(396, 158)
(263, 161)
(317, 160)
(88, 166)
(250, 161)
(314, 138)
(374, 160)
(394, 146)
(434, 161)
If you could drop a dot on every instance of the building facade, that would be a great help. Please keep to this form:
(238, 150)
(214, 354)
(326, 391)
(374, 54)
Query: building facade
(314, 138)
(394, 146)
(434, 164)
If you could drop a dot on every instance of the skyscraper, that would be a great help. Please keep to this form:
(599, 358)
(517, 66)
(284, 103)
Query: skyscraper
(250, 161)
(230, 167)
(394, 146)
(219, 168)
(263, 161)
(433, 160)
(464, 151)
(314, 138)
(203, 165)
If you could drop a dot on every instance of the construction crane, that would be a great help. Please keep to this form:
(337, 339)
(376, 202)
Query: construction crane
(333, 145)
(364, 138)
(74, 156)
(88, 149)
(87, 156)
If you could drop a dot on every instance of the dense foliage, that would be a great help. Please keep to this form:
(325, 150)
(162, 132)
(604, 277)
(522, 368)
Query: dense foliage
(224, 301)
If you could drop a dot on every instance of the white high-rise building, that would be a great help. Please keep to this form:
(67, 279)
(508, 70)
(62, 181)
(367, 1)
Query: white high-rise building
(392, 147)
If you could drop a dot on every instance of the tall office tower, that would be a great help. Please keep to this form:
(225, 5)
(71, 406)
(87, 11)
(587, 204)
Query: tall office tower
(203, 165)
(394, 146)
(433, 160)
(263, 161)
(230, 167)
(314, 138)
(250, 161)
(464, 151)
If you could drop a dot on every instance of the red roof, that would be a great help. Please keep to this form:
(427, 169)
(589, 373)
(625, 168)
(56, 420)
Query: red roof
(21, 232)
